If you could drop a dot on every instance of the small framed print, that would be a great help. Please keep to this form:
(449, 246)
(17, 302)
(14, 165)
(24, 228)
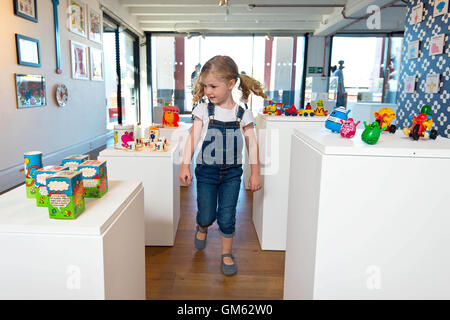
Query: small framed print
(410, 84)
(413, 49)
(26, 9)
(28, 51)
(432, 83)
(79, 55)
(437, 44)
(30, 91)
(416, 14)
(95, 26)
(96, 56)
(440, 7)
(77, 17)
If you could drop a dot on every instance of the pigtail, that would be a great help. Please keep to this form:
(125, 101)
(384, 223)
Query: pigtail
(249, 85)
(199, 91)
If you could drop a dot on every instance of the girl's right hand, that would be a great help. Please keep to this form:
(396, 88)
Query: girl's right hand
(185, 174)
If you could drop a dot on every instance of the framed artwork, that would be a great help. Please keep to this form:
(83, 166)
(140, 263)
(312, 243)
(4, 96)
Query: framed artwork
(410, 84)
(30, 90)
(77, 17)
(96, 56)
(413, 49)
(437, 44)
(440, 7)
(417, 14)
(432, 83)
(28, 51)
(26, 9)
(79, 55)
(95, 26)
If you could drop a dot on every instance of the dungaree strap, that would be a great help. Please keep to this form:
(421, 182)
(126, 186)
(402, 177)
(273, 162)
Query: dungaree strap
(211, 110)
(240, 114)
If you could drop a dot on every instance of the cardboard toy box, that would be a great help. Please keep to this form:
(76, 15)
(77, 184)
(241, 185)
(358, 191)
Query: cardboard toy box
(32, 162)
(95, 178)
(72, 162)
(41, 183)
(65, 194)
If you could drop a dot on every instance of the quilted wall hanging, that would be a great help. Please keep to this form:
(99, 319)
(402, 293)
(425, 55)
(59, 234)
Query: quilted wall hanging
(427, 21)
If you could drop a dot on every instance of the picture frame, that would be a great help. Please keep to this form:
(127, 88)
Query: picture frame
(437, 44)
(432, 83)
(79, 58)
(26, 9)
(413, 49)
(409, 84)
(28, 51)
(95, 26)
(96, 62)
(416, 14)
(30, 91)
(77, 19)
(440, 7)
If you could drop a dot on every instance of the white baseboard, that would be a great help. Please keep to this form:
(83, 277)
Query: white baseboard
(12, 177)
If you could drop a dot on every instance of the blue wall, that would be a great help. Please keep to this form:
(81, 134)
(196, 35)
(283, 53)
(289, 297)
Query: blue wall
(410, 103)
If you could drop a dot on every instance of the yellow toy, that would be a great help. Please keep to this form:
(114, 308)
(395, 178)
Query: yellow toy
(384, 117)
(320, 110)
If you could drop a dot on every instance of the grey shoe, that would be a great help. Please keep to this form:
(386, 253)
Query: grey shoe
(229, 269)
(199, 244)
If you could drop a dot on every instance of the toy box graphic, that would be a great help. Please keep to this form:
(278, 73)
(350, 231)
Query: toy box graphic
(65, 194)
(95, 179)
(72, 162)
(41, 183)
(32, 162)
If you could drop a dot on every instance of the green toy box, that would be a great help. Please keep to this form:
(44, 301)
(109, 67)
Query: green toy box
(95, 178)
(65, 195)
(41, 183)
(72, 162)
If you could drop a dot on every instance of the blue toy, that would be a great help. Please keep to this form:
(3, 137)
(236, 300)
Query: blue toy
(334, 119)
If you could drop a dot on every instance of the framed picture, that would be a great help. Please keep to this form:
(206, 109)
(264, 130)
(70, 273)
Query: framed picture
(416, 14)
(26, 9)
(440, 7)
(437, 44)
(96, 56)
(432, 83)
(79, 61)
(410, 84)
(77, 17)
(28, 51)
(413, 49)
(95, 26)
(30, 91)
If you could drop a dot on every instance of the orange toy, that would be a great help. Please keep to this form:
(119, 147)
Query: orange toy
(171, 116)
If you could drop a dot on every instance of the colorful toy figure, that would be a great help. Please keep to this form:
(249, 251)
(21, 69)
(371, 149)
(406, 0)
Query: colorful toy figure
(32, 162)
(270, 108)
(153, 133)
(421, 127)
(308, 111)
(279, 108)
(65, 194)
(95, 178)
(384, 117)
(320, 110)
(348, 128)
(333, 122)
(292, 111)
(372, 132)
(171, 116)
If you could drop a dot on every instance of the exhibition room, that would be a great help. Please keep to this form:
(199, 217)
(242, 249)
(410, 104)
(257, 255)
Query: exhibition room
(225, 150)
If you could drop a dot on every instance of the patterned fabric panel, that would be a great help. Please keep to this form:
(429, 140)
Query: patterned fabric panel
(410, 103)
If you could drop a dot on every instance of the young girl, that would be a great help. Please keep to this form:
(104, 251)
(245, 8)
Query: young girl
(219, 123)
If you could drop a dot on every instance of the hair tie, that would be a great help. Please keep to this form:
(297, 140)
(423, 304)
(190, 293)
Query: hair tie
(239, 75)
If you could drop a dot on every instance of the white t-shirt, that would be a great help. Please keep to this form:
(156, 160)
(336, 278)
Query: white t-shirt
(220, 114)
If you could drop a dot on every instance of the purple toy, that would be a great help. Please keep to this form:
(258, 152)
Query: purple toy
(348, 128)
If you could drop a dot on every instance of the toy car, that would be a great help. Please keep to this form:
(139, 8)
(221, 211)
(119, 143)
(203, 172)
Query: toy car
(308, 111)
(422, 124)
(292, 111)
(384, 117)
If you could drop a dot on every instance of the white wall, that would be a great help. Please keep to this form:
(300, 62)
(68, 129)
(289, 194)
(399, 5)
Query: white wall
(49, 129)
(315, 58)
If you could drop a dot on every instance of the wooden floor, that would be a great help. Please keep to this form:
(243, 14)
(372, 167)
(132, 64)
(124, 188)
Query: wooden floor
(182, 272)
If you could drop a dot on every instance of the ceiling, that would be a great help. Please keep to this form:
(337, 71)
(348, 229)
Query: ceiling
(263, 16)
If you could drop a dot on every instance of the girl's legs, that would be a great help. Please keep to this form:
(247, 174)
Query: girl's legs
(207, 188)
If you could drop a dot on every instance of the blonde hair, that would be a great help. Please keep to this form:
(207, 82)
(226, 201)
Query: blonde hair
(226, 69)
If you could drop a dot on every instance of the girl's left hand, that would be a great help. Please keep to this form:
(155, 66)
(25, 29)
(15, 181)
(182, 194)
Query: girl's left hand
(254, 182)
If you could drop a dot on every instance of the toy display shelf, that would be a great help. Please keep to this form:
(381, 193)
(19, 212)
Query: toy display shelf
(367, 221)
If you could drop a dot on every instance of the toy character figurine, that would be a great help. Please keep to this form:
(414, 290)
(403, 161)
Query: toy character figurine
(292, 111)
(308, 111)
(348, 128)
(320, 110)
(333, 122)
(170, 116)
(372, 132)
(384, 117)
(421, 127)
(126, 137)
(270, 109)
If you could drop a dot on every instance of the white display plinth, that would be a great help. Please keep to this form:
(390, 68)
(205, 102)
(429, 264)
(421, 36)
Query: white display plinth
(270, 203)
(99, 255)
(368, 221)
(159, 173)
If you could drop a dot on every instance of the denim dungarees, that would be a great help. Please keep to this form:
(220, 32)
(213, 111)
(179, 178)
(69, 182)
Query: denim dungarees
(219, 173)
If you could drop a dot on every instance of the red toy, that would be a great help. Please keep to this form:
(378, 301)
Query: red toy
(292, 111)
(348, 128)
(170, 116)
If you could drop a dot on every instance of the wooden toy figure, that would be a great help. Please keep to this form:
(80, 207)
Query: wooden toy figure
(171, 116)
